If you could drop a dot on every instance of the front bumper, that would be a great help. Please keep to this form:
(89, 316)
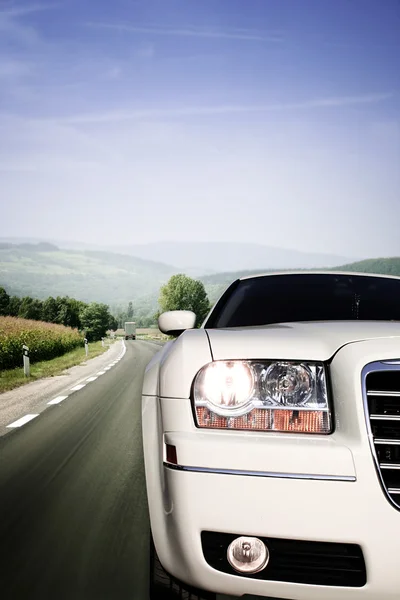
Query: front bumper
(310, 488)
(279, 508)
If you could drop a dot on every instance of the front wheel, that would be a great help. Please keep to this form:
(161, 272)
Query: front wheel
(165, 587)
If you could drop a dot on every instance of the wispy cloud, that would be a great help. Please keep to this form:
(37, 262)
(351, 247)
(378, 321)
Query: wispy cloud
(225, 109)
(12, 26)
(230, 34)
(12, 10)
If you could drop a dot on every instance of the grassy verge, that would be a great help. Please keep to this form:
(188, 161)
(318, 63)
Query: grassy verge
(48, 368)
(151, 334)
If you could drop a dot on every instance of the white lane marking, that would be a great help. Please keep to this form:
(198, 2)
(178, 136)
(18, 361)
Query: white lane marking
(22, 421)
(111, 365)
(101, 373)
(107, 368)
(57, 400)
(91, 379)
(78, 387)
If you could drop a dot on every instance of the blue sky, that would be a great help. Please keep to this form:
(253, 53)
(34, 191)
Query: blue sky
(276, 121)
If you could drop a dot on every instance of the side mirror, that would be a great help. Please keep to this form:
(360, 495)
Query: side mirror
(175, 322)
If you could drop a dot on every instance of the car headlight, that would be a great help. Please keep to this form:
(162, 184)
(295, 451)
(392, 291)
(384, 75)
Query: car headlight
(263, 396)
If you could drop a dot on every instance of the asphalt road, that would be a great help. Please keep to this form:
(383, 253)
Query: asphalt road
(73, 508)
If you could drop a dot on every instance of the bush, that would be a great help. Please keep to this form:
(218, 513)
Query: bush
(45, 340)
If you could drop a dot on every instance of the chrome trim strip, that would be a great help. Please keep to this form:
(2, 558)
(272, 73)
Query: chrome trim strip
(384, 417)
(260, 473)
(389, 366)
(384, 394)
(393, 466)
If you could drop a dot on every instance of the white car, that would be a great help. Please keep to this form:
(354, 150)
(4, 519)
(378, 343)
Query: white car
(272, 441)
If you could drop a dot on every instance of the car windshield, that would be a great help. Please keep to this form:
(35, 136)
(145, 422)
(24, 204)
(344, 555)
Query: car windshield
(292, 298)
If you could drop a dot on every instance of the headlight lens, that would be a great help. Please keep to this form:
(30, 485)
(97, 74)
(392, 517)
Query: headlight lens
(267, 396)
(227, 386)
(288, 384)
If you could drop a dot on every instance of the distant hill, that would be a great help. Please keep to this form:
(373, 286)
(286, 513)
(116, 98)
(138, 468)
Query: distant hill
(382, 266)
(215, 257)
(202, 258)
(42, 270)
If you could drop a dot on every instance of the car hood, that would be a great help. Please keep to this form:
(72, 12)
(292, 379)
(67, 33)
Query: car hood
(295, 341)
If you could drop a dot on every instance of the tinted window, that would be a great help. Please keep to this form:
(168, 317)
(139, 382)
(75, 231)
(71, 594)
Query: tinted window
(290, 298)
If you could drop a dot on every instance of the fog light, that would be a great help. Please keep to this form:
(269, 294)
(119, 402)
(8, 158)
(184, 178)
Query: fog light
(248, 555)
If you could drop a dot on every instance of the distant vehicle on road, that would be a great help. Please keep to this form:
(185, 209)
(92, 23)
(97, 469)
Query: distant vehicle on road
(272, 441)
(130, 330)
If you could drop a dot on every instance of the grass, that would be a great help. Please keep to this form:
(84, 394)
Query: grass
(150, 334)
(14, 378)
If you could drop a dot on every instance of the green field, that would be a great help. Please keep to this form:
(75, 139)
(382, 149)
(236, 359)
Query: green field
(44, 340)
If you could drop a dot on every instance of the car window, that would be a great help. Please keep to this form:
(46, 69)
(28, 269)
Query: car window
(280, 299)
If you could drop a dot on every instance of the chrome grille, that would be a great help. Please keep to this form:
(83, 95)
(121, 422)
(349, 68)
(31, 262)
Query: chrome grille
(382, 403)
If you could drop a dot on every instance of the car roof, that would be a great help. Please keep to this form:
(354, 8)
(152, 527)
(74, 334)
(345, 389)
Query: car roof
(348, 273)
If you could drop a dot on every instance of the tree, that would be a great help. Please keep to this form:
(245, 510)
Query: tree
(4, 302)
(14, 306)
(95, 320)
(113, 323)
(68, 311)
(184, 293)
(50, 310)
(30, 308)
(129, 312)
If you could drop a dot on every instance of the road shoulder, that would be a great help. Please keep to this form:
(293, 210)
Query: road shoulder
(33, 398)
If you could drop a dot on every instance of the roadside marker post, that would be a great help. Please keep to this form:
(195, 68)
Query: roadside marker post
(27, 364)
(102, 342)
(86, 347)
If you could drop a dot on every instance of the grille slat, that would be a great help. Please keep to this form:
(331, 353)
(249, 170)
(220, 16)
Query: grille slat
(388, 442)
(385, 417)
(382, 386)
(384, 394)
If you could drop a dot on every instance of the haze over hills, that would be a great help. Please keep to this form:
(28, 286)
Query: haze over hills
(43, 270)
(201, 258)
(230, 256)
